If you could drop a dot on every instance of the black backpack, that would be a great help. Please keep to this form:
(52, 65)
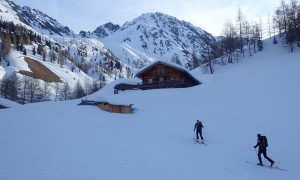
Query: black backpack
(265, 140)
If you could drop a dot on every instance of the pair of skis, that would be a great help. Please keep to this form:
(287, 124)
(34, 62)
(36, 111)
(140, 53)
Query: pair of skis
(273, 167)
(199, 142)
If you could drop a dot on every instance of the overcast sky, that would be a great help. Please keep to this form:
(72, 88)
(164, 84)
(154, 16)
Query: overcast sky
(209, 15)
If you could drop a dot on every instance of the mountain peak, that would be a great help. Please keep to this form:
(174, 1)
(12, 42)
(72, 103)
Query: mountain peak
(33, 18)
(102, 31)
(106, 29)
(157, 36)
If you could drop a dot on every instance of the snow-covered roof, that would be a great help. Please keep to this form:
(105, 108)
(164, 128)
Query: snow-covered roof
(157, 62)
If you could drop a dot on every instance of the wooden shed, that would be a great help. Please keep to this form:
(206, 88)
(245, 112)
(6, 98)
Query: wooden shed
(162, 74)
(115, 108)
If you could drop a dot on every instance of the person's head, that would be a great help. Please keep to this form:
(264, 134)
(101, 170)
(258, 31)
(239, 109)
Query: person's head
(258, 135)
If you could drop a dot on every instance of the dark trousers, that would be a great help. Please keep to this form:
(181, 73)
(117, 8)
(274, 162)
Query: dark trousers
(264, 152)
(199, 132)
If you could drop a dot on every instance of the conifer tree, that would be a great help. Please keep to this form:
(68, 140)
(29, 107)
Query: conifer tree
(78, 91)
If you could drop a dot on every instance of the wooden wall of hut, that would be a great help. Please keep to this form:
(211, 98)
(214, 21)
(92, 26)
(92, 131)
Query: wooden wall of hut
(124, 109)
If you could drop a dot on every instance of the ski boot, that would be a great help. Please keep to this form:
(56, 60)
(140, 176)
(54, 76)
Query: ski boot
(260, 164)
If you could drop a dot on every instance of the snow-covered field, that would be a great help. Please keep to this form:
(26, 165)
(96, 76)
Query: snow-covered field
(64, 141)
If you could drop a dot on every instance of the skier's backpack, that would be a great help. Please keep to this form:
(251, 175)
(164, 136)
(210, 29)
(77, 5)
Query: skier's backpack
(265, 140)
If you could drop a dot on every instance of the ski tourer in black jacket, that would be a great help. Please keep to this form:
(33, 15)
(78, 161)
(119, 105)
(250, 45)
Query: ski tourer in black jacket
(198, 128)
(262, 149)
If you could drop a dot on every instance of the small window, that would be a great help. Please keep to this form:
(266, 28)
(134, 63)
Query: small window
(161, 71)
(150, 81)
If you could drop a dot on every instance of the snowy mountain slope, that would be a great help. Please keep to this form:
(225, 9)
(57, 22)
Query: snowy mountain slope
(65, 73)
(83, 53)
(8, 13)
(97, 60)
(33, 18)
(60, 140)
(37, 22)
(43, 23)
(157, 36)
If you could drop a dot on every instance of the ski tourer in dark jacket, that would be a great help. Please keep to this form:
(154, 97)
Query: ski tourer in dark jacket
(198, 130)
(262, 149)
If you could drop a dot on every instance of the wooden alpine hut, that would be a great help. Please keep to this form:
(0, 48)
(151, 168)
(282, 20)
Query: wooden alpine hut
(162, 74)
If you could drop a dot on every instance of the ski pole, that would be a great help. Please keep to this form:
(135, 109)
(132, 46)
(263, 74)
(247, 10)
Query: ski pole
(204, 135)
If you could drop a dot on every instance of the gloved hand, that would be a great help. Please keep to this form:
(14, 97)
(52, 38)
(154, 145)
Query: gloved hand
(254, 146)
